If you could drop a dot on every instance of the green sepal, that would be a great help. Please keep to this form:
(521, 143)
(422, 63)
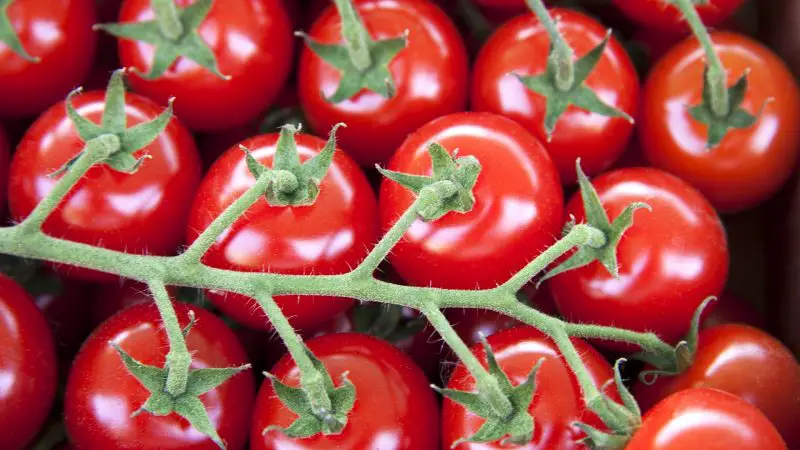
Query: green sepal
(189, 45)
(9, 37)
(557, 100)
(601, 440)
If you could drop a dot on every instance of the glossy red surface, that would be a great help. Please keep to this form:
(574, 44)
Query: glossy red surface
(394, 409)
(732, 309)
(5, 154)
(657, 15)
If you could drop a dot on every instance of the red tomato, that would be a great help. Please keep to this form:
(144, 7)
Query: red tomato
(557, 403)
(521, 47)
(517, 213)
(661, 15)
(750, 164)
(732, 309)
(60, 35)
(109, 299)
(252, 41)
(394, 408)
(707, 419)
(670, 260)
(140, 213)
(430, 77)
(27, 364)
(101, 393)
(65, 310)
(743, 361)
(4, 155)
(331, 236)
(471, 324)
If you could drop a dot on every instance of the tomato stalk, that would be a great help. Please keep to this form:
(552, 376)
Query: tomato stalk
(562, 54)
(167, 18)
(355, 35)
(178, 358)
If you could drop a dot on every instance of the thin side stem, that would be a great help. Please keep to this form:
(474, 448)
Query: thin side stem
(178, 358)
(648, 342)
(167, 17)
(355, 34)
(562, 54)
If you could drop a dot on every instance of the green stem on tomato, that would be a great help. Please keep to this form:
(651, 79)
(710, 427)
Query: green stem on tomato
(178, 358)
(167, 18)
(355, 34)
(561, 54)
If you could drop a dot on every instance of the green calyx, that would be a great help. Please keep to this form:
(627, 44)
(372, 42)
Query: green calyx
(9, 37)
(450, 186)
(362, 62)
(173, 34)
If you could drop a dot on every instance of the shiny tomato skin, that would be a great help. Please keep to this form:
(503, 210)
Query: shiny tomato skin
(430, 77)
(705, 418)
(331, 236)
(28, 365)
(749, 165)
(659, 16)
(670, 260)
(60, 35)
(394, 408)
(4, 157)
(745, 362)
(101, 394)
(521, 46)
(143, 212)
(252, 41)
(518, 207)
(557, 403)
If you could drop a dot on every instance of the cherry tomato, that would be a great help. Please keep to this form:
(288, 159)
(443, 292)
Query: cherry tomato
(140, 213)
(749, 165)
(670, 260)
(518, 205)
(4, 155)
(471, 324)
(27, 364)
(101, 394)
(659, 15)
(557, 403)
(521, 47)
(60, 35)
(732, 309)
(252, 42)
(65, 311)
(394, 408)
(743, 361)
(331, 236)
(708, 419)
(430, 76)
(109, 299)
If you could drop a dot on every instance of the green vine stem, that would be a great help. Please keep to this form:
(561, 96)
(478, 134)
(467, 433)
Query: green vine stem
(167, 17)
(178, 357)
(562, 54)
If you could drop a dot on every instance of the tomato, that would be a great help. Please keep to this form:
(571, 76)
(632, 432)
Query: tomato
(394, 408)
(659, 16)
(331, 236)
(101, 393)
(471, 324)
(670, 260)
(27, 364)
(750, 164)
(109, 299)
(60, 35)
(517, 213)
(743, 361)
(430, 77)
(65, 310)
(732, 309)
(4, 155)
(521, 47)
(708, 419)
(140, 213)
(557, 402)
(252, 42)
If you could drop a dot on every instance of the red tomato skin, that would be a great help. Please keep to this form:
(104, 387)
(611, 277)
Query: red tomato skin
(490, 243)
(394, 409)
(28, 365)
(732, 309)
(670, 260)
(749, 165)
(430, 78)
(65, 312)
(101, 394)
(143, 212)
(521, 46)
(660, 16)
(109, 299)
(60, 34)
(745, 362)
(331, 236)
(705, 418)
(557, 402)
(252, 41)
(4, 156)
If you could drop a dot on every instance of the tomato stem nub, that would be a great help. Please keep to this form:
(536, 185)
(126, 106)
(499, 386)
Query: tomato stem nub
(167, 17)
(561, 54)
(355, 35)
(178, 358)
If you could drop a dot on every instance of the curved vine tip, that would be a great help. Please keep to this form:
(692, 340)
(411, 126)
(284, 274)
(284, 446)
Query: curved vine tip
(181, 39)
(362, 62)
(9, 37)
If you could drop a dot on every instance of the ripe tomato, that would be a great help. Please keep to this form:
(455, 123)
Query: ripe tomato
(670, 260)
(140, 213)
(521, 47)
(252, 41)
(331, 236)
(27, 364)
(60, 35)
(743, 361)
(101, 393)
(517, 213)
(750, 164)
(660, 15)
(394, 408)
(557, 402)
(430, 77)
(732, 309)
(708, 419)
(4, 155)
(109, 299)
(64, 308)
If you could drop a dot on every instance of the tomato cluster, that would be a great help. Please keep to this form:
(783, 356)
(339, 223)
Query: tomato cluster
(235, 67)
